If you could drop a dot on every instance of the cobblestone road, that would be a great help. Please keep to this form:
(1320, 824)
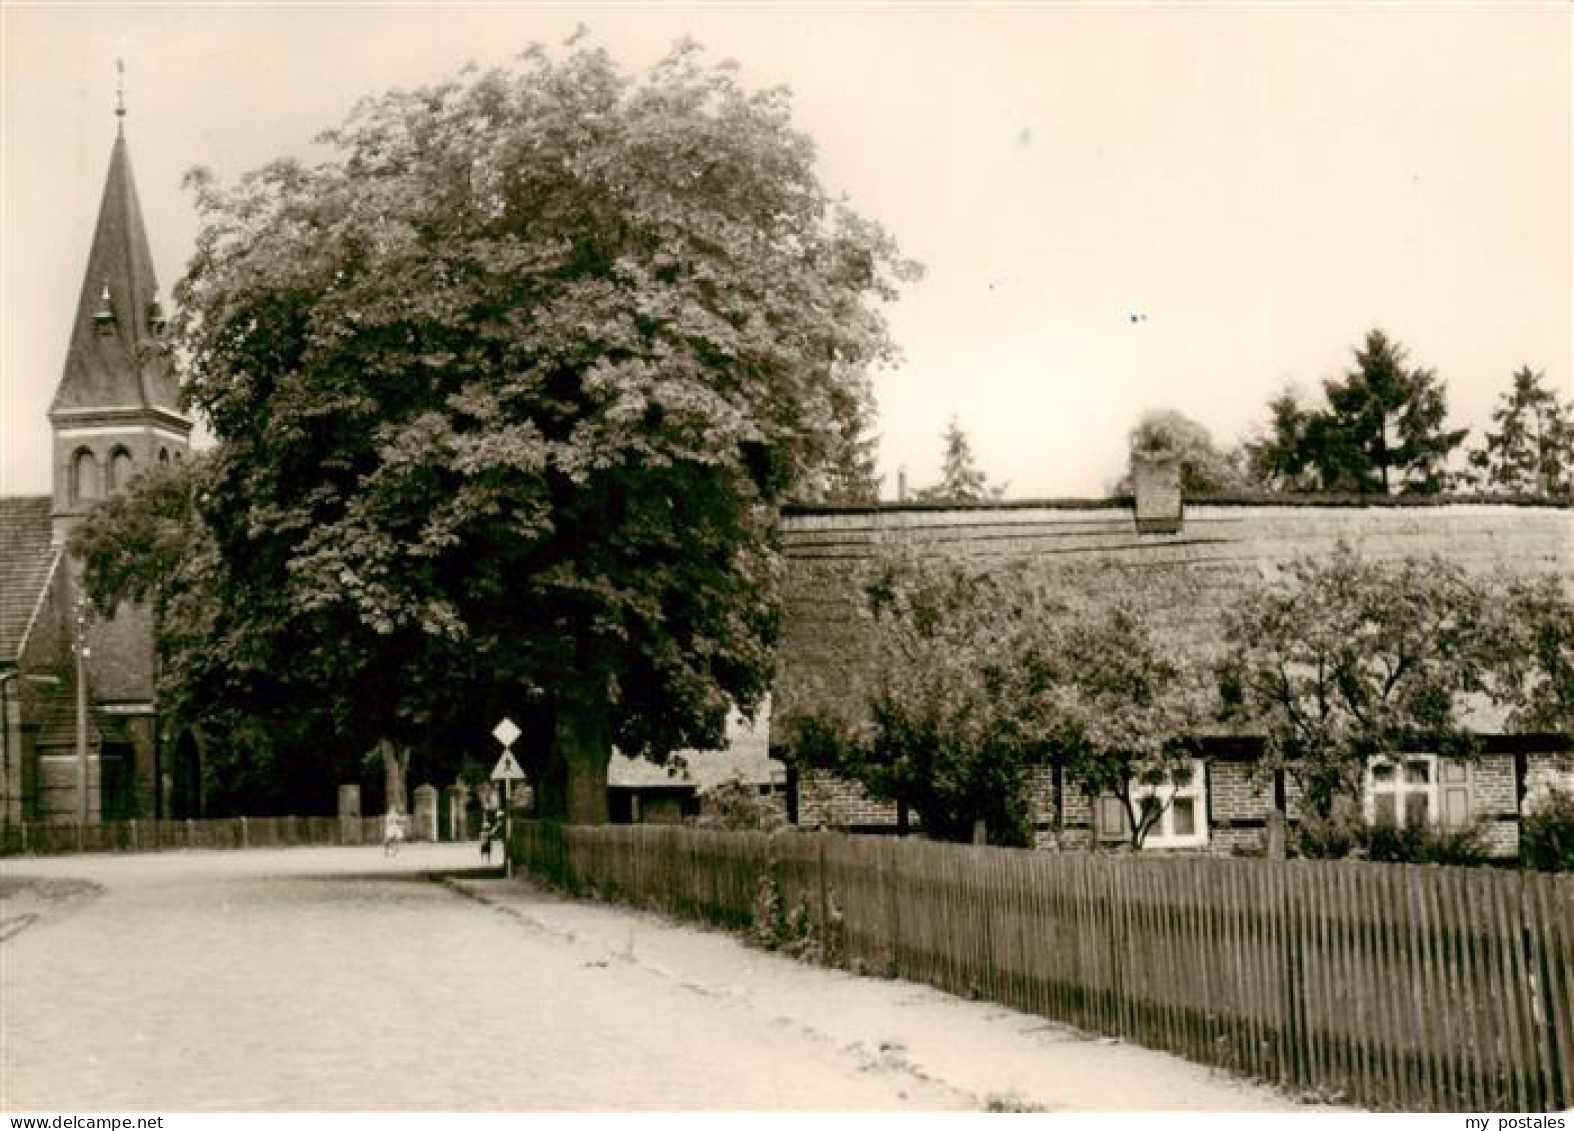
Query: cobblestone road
(337, 979)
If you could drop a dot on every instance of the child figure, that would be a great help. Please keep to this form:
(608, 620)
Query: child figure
(393, 832)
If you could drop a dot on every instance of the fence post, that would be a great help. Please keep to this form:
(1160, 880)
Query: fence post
(825, 902)
(135, 845)
(245, 833)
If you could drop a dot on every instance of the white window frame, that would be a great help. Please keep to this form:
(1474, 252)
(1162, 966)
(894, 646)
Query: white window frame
(1163, 834)
(1447, 789)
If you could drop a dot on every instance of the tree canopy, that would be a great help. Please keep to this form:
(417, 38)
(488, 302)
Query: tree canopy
(1348, 659)
(1381, 430)
(1205, 469)
(1531, 450)
(984, 676)
(1529, 638)
(506, 388)
(961, 479)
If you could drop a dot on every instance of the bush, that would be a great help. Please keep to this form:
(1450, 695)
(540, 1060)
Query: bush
(1426, 844)
(776, 926)
(1347, 835)
(1546, 834)
(1327, 838)
(737, 807)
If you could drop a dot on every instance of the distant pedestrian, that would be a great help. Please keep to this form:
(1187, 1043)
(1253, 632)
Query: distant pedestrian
(393, 832)
(489, 832)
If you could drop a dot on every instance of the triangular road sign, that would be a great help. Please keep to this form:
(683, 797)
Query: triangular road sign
(507, 768)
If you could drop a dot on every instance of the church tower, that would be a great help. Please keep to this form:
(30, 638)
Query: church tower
(117, 409)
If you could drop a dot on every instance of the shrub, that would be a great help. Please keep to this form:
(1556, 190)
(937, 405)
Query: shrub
(1426, 844)
(776, 926)
(1347, 835)
(1327, 838)
(1546, 834)
(738, 807)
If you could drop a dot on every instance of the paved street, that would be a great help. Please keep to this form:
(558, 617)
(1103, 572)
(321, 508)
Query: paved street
(338, 979)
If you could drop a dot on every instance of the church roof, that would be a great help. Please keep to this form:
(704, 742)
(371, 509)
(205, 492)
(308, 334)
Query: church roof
(114, 364)
(26, 562)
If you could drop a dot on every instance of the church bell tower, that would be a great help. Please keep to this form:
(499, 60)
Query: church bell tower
(116, 411)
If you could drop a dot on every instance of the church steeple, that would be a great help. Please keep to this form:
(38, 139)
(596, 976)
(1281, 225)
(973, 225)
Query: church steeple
(117, 408)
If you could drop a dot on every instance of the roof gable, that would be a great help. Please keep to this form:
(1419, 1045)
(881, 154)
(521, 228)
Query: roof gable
(26, 561)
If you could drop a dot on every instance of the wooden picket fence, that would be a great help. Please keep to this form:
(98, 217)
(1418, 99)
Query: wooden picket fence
(1415, 988)
(38, 839)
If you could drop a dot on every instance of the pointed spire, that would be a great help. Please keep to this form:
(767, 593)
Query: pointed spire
(109, 362)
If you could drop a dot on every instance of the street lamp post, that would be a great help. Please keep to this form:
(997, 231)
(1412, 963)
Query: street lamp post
(81, 675)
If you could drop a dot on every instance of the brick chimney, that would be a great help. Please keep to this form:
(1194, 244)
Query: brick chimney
(1156, 482)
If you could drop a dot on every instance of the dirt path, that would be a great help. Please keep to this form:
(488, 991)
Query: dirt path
(983, 1054)
(338, 979)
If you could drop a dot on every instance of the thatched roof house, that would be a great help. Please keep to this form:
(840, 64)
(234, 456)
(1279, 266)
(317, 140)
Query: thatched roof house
(1189, 563)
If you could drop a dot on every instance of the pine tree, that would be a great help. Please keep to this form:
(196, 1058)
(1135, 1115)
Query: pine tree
(848, 474)
(961, 479)
(1532, 450)
(1382, 431)
(1277, 459)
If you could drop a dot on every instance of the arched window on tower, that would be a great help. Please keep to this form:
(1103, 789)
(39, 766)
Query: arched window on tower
(163, 455)
(119, 469)
(87, 483)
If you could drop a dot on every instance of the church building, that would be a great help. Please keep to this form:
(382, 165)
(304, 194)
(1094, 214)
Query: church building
(79, 717)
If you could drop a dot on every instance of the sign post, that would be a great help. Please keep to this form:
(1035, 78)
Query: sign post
(506, 771)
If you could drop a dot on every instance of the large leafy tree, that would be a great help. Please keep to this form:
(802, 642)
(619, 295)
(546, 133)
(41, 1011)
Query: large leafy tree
(1530, 641)
(1348, 659)
(507, 388)
(1382, 430)
(848, 474)
(267, 745)
(1121, 711)
(1204, 468)
(941, 736)
(983, 676)
(1531, 451)
(961, 479)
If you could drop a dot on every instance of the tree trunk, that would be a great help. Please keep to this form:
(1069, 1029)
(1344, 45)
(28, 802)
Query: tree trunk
(396, 760)
(581, 736)
(573, 780)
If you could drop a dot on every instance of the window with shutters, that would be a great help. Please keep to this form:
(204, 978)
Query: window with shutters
(1183, 821)
(1418, 789)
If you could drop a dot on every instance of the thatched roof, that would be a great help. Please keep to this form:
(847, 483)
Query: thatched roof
(1094, 554)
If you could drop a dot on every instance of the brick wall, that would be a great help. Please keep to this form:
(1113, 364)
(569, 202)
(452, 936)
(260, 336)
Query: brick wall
(827, 801)
(1238, 791)
(1041, 798)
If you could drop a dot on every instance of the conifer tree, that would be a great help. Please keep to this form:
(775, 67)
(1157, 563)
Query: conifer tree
(961, 479)
(1531, 452)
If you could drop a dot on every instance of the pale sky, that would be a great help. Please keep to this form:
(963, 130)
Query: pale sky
(1257, 185)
